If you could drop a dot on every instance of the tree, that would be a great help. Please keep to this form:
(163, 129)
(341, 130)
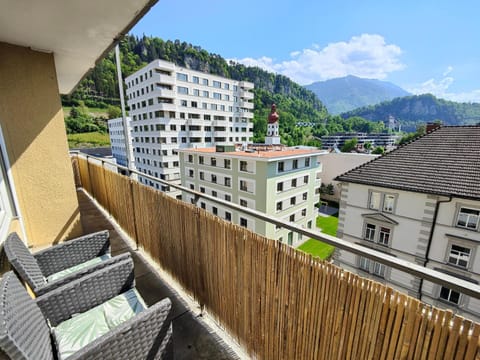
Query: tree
(367, 146)
(114, 112)
(379, 150)
(349, 145)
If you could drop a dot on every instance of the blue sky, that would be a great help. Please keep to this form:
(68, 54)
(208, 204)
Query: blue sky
(422, 46)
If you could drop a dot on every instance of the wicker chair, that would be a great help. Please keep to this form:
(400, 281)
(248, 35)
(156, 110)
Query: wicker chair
(34, 269)
(25, 334)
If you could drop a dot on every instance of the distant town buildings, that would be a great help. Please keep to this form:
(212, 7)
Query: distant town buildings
(420, 203)
(117, 141)
(279, 181)
(173, 108)
(338, 140)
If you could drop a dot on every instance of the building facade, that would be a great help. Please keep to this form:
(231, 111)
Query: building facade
(420, 203)
(117, 141)
(174, 108)
(282, 183)
(338, 140)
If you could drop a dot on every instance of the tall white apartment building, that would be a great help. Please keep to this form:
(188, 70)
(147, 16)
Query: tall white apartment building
(281, 182)
(117, 141)
(173, 108)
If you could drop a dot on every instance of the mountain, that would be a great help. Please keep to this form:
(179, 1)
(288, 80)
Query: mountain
(351, 92)
(412, 110)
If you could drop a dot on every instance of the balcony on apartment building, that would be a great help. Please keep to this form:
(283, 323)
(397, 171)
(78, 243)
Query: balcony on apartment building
(274, 301)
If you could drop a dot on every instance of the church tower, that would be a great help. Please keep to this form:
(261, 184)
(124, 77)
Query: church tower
(273, 135)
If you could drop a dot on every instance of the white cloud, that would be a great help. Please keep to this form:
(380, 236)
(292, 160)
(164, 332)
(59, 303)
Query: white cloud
(440, 88)
(367, 55)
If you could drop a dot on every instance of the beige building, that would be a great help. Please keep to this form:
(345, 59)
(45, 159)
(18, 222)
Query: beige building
(43, 55)
(420, 203)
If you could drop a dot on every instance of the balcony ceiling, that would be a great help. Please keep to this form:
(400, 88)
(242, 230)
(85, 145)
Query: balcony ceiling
(78, 33)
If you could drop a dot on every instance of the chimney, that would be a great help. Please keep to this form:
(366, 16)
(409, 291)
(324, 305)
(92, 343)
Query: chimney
(432, 126)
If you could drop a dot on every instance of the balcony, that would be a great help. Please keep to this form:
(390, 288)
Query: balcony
(246, 85)
(247, 95)
(311, 307)
(164, 79)
(246, 104)
(159, 91)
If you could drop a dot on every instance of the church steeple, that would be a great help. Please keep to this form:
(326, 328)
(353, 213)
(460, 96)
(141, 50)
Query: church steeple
(273, 135)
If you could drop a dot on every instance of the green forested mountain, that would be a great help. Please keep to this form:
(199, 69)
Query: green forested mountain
(295, 104)
(412, 110)
(350, 92)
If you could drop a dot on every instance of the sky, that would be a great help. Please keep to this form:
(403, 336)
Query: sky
(423, 46)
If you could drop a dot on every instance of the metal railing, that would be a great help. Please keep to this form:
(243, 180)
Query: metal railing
(408, 267)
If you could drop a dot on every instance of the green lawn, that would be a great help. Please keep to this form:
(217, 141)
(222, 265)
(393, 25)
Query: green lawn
(92, 139)
(317, 248)
(97, 112)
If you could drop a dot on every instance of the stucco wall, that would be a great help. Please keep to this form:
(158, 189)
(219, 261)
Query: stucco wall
(32, 121)
(335, 164)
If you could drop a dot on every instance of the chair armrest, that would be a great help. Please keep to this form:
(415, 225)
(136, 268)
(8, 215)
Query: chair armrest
(87, 292)
(73, 252)
(79, 274)
(148, 335)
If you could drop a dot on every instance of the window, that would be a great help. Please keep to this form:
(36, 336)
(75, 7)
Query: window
(449, 295)
(375, 198)
(243, 165)
(214, 193)
(243, 185)
(214, 178)
(294, 182)
(292, 218)
(279, 206)
(388, 203)
(190, 173)
(200, 159)
(183, 103)
(228, 197)
(307, 162)
(304, 212)
(290, 238)
(202, 190)
(195, 80)
(293, 200)
(192, 187)
(202, 205)
(214, 210)
(228, 216)
(213, 161)
(280, 166)
(384, 236)
(217, 96)
(182, 77)
(304, 196)
(243, 203)
(280, 186)
(182, 90)
(190, 158)
(228, 182)
(468, 218)
(371, 266)
(243, 222)
(295, 164)
(202, 175)
(459, 256)
(309, 224)
(217, 84)
(305, 179)
(205, 82)
(226, 163)
(370, 232)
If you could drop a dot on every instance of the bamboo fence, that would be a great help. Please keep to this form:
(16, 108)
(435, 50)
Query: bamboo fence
(278, 303)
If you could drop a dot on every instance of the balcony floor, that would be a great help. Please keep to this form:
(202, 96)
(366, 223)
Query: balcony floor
(192, 338)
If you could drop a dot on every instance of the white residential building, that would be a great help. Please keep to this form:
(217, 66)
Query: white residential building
(174, 108)
(420, 203)
(282, 182)
(117, 141)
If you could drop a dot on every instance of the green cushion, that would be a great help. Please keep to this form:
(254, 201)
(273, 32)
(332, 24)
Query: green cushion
(73, 334)
(76, 268)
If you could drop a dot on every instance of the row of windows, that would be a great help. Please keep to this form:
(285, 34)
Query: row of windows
(185, 140)
(175, 127)
(293, 183)
(285, 204)
(205, 82)
(292, 165)
(160, 114)
(206, 94)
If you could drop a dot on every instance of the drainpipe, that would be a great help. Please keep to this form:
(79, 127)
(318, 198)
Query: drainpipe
(430, 238)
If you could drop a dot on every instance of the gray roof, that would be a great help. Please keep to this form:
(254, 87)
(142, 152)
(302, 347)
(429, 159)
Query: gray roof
(446, 161)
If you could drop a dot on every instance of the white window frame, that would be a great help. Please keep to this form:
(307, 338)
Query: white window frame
(468, 218)
(457, 255)
(449, 296)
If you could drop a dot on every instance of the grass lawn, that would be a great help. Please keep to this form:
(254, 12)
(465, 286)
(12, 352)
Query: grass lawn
(97, 112)
(329, 225)
(92, 139)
